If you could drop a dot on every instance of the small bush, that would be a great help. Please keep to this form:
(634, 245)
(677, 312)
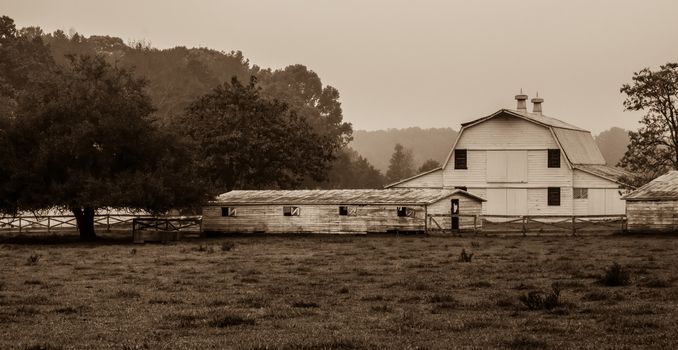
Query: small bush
(525, 342)
(305, 304)
(45, 346)
(133, 251)
(465, 257)
(657, 282)
(33, 259)
(381, 308)
(475, 244)
(227, 246)
(616, 276)
(127, 294)
(204, 249)
(231, 321)
(537, 300)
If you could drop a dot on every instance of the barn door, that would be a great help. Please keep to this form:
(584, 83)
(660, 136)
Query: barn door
(455, 214)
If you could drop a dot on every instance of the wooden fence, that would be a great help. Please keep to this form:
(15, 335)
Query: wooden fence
(524, 224)
(54, 223)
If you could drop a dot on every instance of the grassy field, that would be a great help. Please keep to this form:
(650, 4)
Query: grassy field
(339, 292)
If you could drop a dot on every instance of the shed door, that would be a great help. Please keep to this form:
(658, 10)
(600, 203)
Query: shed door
(455, 213)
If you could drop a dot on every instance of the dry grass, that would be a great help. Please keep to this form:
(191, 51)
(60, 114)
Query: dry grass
(319, 292)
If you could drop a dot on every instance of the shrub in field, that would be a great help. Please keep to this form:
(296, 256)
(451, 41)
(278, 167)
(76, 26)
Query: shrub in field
(45, 346)
(475, 244)
(33, 259)
(537, 300)
(615, 276)
(657, 282)
(465, 256)
(227, 246)
(204, 249)
(230, 321)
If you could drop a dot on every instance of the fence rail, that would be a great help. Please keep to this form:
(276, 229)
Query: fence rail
(525, 224)
(51, 223)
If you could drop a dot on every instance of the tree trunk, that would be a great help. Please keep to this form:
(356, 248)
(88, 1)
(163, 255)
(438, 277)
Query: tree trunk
(85, 219)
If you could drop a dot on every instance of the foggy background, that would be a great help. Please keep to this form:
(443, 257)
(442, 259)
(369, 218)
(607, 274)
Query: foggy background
(401, 63)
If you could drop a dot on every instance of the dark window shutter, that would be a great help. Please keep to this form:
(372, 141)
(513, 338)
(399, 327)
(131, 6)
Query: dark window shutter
(554, 196)
(554, 158)
(460, 159)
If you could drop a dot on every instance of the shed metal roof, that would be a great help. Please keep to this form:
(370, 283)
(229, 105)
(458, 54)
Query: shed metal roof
(388, 196)
(615, 174)
(664, 187)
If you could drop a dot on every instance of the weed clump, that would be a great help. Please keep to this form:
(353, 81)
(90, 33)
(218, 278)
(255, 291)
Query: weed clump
(231, 321)
(616, 276)
(33, 259)
(465, 256)
(204, 249)
(227, 246)
(537, 300)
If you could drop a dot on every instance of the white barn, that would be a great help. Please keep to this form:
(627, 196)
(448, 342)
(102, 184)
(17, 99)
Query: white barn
(528, 164)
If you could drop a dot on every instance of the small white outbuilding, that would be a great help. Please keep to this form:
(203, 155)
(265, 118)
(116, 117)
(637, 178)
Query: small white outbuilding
(654, 206)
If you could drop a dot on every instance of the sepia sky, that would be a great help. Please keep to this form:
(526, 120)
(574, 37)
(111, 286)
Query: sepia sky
(411, 63)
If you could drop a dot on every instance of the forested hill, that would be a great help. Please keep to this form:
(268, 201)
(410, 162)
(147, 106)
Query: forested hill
(377, 146)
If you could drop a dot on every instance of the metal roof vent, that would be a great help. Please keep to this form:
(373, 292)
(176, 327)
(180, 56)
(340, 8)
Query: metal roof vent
(522, 104)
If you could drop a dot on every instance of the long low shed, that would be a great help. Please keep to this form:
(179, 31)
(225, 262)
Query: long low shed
(654, 206)
(335, 211)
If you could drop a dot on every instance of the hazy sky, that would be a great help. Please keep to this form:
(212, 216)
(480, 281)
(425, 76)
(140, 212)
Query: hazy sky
(411, 63)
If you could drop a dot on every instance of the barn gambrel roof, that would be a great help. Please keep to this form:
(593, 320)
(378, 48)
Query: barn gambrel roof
(577, 144)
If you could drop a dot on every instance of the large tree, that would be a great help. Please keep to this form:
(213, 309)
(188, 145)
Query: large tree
(401, 165)
(305, 94)
(429, 165)
(244, 141)
(654, 147)
(350, 171)
(83, 140)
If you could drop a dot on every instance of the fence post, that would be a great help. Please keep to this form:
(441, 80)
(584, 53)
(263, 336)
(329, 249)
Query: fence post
(524, 225)
(475, 224)
(48, 222)
(108, 222)
(574, 225)
(19, 224)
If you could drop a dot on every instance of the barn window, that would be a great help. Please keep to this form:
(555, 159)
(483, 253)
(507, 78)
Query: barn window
(463, 188)
(554, 158)
(554, 196)
(228, 211)
(460, 159)
(343, 210)
(405, 212)
(581, 193)
(291, 211)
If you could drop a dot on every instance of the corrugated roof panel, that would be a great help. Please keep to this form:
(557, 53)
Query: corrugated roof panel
(664, 187)
(579, 146)
(390, 196)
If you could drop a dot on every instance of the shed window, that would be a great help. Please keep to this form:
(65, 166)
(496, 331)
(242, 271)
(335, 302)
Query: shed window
(460, 159)
(554, 158)
(581, 193)
(554, 196)
(343, 210)
(405, 211)
(291, 211)
(228, 211)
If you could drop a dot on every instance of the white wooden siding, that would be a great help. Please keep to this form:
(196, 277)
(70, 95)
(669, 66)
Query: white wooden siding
(430, 180)
(585, 180)
(538, 202)
(505, 133)
(540, 175)
(474, 176)
(507, 166)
